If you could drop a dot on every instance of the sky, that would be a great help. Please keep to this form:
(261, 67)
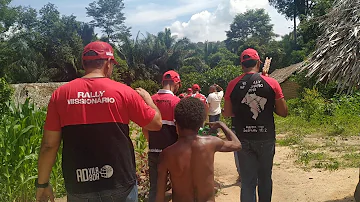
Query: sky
(199, 20)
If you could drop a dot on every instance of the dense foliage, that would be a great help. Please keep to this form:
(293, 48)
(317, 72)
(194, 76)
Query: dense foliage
(43, 45)
(312, 113)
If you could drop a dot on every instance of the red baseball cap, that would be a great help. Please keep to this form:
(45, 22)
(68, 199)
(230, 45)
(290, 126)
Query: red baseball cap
(171, 76)
(189, 90)
(196, 87)
(251, 53)
(103, 50)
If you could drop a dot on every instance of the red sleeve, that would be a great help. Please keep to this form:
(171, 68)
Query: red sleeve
(275, 86)
(231, 87)
(139, 112)
(52, 122)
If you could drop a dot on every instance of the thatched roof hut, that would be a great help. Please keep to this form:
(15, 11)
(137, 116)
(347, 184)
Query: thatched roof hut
(283, 74)
(290, 88)
(337, 55)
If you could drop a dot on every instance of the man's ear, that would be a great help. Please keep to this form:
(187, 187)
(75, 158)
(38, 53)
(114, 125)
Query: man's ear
(108, 68)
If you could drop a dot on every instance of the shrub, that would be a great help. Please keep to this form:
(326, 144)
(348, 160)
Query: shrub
(5, 95)
(149, 85)
(220, 75)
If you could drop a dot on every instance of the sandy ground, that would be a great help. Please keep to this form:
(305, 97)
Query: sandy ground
(291, 184)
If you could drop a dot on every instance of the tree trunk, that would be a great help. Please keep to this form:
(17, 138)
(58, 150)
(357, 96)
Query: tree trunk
(295, 35)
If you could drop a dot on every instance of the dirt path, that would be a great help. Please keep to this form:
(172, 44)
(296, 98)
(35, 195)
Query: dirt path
(291, 184)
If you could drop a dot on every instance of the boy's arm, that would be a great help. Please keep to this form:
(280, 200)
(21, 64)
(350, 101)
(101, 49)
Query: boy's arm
(233, 143)
(162, 178)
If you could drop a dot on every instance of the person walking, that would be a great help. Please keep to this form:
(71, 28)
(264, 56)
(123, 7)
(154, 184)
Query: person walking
(251, 99)
(196, 93)
(214, 102)
(166, 101)
(91, 116)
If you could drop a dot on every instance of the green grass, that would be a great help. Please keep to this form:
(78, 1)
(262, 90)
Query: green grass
(290, 140)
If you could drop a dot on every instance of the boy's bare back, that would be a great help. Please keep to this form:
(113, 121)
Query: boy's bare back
(190, 162)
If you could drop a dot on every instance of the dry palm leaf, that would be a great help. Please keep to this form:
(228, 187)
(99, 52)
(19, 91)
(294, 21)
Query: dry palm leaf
(337, 55)
(266, 65)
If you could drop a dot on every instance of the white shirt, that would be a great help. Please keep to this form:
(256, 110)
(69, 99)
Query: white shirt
(214, 101)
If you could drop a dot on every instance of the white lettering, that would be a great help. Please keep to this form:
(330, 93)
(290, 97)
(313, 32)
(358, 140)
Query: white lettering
(78, 175)
(85, 175)
(93, 174)
(80, 94)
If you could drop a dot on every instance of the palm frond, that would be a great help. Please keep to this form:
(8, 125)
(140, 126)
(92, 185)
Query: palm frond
(337, 55)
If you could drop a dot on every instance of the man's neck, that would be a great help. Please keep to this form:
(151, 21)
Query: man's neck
(186, 134)
(94, 74)
(168, 87)
(252, 70)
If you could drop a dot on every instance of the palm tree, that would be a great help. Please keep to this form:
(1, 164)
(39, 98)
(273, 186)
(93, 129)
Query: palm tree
(337, 57)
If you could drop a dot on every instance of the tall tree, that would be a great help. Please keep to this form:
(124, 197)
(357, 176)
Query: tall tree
(253, 24)
(292, 9)
(8, 15)
(109, 17)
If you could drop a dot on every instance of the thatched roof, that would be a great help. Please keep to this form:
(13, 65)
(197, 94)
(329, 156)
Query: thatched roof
(337, 55)
(283, 74)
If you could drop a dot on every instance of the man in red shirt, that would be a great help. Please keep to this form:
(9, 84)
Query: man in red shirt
(196, 90)
(189, 92)
(251, 99)
(91, 115)
(166, 101)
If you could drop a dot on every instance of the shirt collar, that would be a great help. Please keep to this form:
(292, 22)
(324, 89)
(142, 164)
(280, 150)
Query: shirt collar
(164, 91)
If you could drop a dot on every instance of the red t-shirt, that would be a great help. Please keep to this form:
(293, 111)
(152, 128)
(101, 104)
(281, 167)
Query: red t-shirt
(200, 96)
(93, 116)
(166, 102)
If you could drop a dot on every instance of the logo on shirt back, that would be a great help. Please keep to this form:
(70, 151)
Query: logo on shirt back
(96, 97)
(255, 102)
(94, 174)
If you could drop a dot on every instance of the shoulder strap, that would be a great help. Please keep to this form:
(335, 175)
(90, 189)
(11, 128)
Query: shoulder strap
(248, 84)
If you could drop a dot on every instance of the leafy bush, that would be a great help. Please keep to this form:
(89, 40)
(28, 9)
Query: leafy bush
(20, 137)
(149, 85)
(5, 95)
(142, 168)
(313, 113)
(220, 75)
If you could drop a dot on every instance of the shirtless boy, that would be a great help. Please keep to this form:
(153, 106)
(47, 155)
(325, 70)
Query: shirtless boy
(190, 161)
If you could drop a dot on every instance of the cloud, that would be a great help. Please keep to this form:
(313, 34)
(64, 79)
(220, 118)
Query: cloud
(158, 12)
(211, 26)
